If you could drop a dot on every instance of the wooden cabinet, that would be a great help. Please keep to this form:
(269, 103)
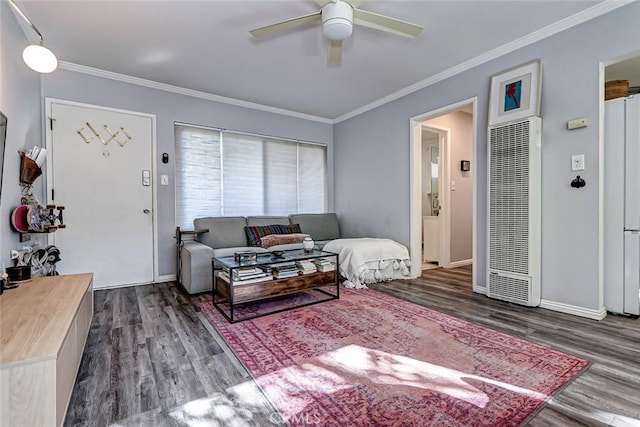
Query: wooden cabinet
(44, 325)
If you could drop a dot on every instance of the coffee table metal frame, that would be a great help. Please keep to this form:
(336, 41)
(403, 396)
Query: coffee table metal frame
(235, 292)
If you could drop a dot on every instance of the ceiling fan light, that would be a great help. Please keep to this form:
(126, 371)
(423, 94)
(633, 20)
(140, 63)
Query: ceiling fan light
(337, 20)
(337, 29)
(39, 58)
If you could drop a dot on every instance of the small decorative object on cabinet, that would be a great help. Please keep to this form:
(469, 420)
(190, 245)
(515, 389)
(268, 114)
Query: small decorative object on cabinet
(43, 261)
(31, 262)
(17, 274)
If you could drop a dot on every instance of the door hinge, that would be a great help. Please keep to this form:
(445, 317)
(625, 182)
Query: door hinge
(51, 120)
(53, 194)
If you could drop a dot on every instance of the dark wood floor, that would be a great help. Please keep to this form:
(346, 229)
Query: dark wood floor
(152, 359)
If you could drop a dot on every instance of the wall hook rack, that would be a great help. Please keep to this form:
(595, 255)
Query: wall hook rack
(578, 182)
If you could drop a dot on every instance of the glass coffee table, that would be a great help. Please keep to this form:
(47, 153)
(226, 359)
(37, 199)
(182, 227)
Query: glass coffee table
(269, 277)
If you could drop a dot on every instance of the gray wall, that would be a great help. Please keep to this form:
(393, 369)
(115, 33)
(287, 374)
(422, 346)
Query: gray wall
(20, 102)
(460, 125)
(168, 108)
(379, 140)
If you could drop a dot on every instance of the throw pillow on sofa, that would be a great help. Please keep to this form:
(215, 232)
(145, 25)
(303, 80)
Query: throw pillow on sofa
(256, 232)
(281, 239)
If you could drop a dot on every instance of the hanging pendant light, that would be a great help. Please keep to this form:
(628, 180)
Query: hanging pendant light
(36, 56)
(39, 58)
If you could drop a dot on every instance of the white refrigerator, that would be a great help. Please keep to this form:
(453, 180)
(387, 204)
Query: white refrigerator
(622, 206)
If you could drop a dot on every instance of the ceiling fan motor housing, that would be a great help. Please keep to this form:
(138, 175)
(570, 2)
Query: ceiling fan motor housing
(337, 20)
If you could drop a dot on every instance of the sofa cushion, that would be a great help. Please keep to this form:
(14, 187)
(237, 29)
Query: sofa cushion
(224, 231)
(319, 226)
(281, 239)
(254, 233)
(267, 220)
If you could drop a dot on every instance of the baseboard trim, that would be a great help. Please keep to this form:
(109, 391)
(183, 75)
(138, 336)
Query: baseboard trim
(574, 310)
(161, 279)
(126, 285)
(480, 290)
(166, 278)
(460, 263)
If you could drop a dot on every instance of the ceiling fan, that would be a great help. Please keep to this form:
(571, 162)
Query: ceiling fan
(338, 17)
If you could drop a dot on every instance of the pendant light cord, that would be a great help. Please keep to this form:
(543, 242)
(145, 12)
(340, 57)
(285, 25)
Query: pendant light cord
(21, 13)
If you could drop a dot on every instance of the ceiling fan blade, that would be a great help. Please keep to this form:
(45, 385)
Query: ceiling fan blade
(286, 25)
(385, 23)
(355, 3)
(334, 51)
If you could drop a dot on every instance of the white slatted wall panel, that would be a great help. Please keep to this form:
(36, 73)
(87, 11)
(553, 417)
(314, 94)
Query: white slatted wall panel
(514, 212)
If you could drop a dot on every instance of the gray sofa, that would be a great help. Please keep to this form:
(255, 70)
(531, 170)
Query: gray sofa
(227, 235)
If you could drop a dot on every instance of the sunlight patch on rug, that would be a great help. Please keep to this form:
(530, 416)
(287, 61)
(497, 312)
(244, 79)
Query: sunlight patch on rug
(391, 369)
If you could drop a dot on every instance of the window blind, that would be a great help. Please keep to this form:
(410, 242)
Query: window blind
(225, 173)
(243, 176)
(198, 174)
(312, 178)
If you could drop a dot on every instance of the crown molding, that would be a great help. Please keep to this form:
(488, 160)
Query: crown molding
(564, 24)
(69, 66)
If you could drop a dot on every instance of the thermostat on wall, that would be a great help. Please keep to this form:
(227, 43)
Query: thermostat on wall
(582, 122)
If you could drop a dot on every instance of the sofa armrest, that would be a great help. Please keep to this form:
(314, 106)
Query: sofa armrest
(196, 267)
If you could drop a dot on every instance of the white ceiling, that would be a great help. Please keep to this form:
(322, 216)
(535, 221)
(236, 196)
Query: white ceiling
(206, 46)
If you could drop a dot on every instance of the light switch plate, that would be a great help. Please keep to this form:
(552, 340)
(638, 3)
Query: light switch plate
(577, 162)
(164, 179)
(146, 178)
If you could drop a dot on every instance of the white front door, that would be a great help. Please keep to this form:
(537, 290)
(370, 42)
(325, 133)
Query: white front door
(104, 181)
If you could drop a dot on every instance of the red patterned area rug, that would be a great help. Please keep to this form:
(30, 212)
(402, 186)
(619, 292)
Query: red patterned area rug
(369, 359)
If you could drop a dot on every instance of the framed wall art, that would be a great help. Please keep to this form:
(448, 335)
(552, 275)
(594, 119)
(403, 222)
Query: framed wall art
(515, 93)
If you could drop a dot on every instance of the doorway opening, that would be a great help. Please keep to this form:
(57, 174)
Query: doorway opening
(443, 156)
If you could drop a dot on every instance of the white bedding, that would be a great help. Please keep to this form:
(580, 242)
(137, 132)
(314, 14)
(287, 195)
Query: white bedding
(370, 260)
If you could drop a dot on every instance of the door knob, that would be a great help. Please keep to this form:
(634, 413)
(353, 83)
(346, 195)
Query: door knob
(146, 211)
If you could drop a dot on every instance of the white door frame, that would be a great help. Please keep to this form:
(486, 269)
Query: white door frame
(49, 177)
(444, 224)
(415, 186)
